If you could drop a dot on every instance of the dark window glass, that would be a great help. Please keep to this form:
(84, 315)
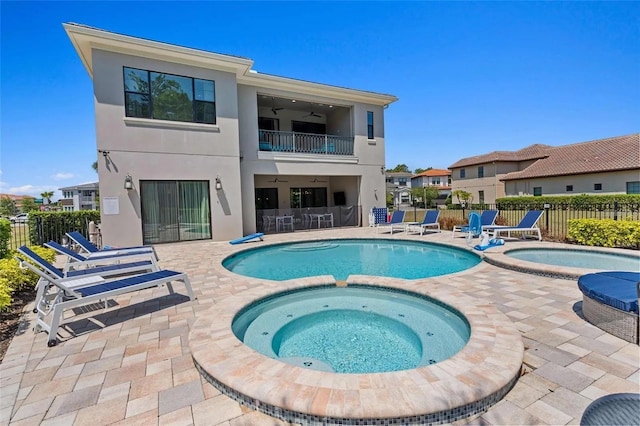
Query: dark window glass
(308, 197)
(481, 197)
(569, 188)
(266, 198)
(266, 123)
(463, 173)
(537, 191)
(597, 187)
(370, 124)
(389, 180)
(306, 127)
(161, 96)
(633, 187)
(480, 171)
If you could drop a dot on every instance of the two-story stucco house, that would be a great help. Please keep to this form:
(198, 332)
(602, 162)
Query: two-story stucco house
(439, 178)
(399, 186)
(603, 166)
(80, 197)
(196, 145)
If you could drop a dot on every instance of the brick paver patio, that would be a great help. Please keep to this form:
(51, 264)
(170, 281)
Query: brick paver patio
(131, 364)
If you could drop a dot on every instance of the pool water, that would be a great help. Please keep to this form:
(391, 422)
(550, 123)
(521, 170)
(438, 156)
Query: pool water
(578, 258)
(341, 258)
(356, 329)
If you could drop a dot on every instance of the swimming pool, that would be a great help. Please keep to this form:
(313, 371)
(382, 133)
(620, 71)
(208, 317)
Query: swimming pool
(344, 257)
(576, 258)
(353, 330)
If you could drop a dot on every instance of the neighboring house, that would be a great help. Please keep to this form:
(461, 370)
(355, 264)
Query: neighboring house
(399, 185)
(17, 199)
(80, 197)
(434, 177)
(197, 145)
(604, 166)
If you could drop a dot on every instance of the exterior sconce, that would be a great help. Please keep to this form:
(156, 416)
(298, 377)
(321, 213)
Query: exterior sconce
(128, 183)
(382, 169)
(218, 183)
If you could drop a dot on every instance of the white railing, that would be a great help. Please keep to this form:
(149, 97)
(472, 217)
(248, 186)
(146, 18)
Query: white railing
(306, 143)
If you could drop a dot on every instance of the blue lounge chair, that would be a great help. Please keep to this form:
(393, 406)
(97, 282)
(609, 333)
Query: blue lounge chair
(66, 293)
(529, 223)
(88, 247)
(396, 222)
(487, 220)
(138, 267)
(430, 221)
(377, 215)
(77, 260)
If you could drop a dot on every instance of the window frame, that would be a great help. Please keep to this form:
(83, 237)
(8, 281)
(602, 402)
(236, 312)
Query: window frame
(537, 191)
(597, 187)
(463, 173)
(370, 126)
(480, 171)
(569, 188)
(195, 103)
(633, 187)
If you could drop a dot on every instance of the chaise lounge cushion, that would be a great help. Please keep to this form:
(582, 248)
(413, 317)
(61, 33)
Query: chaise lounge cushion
(617, 289)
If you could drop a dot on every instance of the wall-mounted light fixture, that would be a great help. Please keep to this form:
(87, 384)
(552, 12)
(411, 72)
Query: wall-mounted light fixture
(128, 182)
(218, 183)
(382, 169)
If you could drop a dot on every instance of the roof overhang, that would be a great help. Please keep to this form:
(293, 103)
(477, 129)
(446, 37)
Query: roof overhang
(85, 39)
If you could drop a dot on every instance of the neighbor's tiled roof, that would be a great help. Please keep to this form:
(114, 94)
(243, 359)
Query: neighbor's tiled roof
(603, 155)
(434, 172)
(16, 197)
(528, 153)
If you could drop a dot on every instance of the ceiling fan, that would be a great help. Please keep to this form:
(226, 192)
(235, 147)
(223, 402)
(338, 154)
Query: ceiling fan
(312, 114)
(276, 180)
(316, 180)
(274, 110)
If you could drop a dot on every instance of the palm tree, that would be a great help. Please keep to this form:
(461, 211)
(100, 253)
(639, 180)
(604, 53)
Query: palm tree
(47, 196)
(94, 166)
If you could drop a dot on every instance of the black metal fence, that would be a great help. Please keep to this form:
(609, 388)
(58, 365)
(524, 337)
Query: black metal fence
(35, 232)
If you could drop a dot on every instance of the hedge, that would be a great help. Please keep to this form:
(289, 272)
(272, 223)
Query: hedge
(576, 202)
(5, 236)
(604, 232)
(13, 278)
(56, 224)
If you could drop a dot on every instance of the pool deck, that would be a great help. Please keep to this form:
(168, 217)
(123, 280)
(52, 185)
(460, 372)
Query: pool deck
(133, 364)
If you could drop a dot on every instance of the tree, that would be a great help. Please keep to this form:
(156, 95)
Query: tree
(28, 205)
(463, 196)
(427, 194)
(419, 170)
(8, 207)
(47, 196)
(94, 166)
(389, 199)
(399, 168)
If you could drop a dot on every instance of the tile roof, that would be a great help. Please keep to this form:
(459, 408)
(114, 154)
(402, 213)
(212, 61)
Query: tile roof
(602, 155)
(434, 172)
(16, 197)
(530, 152)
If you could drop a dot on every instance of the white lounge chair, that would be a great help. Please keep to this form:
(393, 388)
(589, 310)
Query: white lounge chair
(67, 293)
(430, 221)
(119, 269)
(396, 222)
(487, 220)
(77, 260)
(529, 223)
(88, 247)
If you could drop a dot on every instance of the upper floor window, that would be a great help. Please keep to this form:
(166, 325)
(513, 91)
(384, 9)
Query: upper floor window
(597, 187)
(537, 191)
(370, 124)
(463, 173)
(633, 187)
(390, 180)
(435, 181)
(480, 171)
(569, 188)
(150, 94)
(402, 181)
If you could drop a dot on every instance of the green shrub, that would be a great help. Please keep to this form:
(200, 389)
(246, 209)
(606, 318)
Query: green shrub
(576, 202)
(604, 232)
(55, 224)
(5, 236)
(13, 278)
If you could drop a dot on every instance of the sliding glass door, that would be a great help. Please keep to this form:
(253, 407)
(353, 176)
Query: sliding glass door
(175, 211)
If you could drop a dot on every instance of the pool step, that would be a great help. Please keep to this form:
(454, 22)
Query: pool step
(341, 283)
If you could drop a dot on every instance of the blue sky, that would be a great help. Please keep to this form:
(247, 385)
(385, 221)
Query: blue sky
(471, 77)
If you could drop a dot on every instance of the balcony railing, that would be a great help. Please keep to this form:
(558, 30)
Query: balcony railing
(304, 143)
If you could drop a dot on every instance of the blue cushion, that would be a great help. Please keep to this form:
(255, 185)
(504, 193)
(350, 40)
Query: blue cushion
(164, 274)
(616, 288)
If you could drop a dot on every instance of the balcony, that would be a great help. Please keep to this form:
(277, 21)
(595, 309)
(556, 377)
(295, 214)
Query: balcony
(304, 143)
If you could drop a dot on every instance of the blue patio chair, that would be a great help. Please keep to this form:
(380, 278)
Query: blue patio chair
(62, 294)
(487, 220)
(77, 260)
(529, 223)
(396, 222)
(430, 221)
(89, 247)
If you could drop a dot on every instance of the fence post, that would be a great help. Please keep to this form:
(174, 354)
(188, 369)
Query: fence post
(40, 230)
(615, 210)
(546, 216)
